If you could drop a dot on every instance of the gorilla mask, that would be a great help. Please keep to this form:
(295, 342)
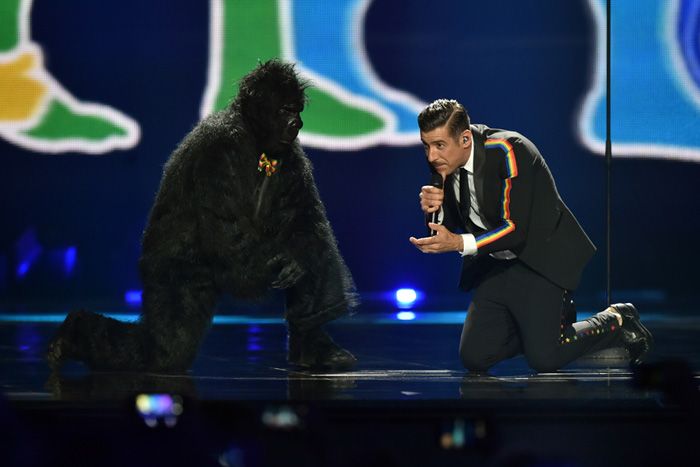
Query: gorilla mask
(271, 98)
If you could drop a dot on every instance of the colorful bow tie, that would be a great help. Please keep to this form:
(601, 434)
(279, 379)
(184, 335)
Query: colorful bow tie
(268, 165)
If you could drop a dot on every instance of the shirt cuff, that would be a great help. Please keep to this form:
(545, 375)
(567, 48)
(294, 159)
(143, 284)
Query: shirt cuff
(469, 243)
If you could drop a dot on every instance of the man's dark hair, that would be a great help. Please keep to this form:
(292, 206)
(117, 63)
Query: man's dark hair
(444, 112)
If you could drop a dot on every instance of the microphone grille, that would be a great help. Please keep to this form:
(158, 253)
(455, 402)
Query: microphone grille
(436, 180)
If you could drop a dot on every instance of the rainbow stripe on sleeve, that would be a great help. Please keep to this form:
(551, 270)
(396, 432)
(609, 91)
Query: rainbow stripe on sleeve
(504, 145)
(508, 225)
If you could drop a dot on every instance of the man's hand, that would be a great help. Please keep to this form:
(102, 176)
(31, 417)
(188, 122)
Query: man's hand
(442, 242)
(431, 198)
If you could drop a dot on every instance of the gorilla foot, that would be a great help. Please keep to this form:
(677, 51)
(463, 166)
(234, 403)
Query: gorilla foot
(55, 355)
(62, 348)
(315, 350)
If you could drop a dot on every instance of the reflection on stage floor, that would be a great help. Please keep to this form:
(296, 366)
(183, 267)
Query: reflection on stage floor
(407, 403)
(244, 359)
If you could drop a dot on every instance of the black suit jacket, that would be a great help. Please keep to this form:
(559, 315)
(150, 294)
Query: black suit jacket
(522, 210)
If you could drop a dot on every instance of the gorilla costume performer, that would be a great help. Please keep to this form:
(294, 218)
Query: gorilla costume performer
(237, 212)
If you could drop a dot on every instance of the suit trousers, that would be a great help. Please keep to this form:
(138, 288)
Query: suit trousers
(515, 310)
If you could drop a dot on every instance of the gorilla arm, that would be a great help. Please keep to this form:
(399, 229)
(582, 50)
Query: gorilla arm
(311, 241)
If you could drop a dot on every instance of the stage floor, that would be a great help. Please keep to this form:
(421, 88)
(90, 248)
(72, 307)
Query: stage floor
(408, 402)
(243, 358)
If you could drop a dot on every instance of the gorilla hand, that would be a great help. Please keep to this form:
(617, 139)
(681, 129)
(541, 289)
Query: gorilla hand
(289, 274)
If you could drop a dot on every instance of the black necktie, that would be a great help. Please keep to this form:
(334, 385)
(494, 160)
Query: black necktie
(464, 197)
(465, 202)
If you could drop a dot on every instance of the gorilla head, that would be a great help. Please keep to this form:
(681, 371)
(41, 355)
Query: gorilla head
(271, 98)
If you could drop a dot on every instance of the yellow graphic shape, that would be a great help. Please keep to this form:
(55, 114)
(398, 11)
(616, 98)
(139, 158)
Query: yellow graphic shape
(20, 93)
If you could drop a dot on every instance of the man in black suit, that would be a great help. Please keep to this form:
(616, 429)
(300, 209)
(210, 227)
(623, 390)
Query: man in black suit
(523, 249)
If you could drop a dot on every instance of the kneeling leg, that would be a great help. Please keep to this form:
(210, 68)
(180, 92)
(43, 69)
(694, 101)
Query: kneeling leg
(313, 301)
(175, 320)
(489, 336)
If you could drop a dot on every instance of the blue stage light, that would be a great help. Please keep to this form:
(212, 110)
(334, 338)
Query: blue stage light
(70, 257)
(23, 268)
(28, 251)
(133, 297)
(253, 347)
(405, 316)
(406, 297)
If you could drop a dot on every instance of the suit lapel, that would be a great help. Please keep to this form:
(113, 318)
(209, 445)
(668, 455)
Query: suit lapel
(478, 140)
(450, 203)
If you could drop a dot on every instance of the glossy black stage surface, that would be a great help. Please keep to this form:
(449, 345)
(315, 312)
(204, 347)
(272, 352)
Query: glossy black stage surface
(408, 402)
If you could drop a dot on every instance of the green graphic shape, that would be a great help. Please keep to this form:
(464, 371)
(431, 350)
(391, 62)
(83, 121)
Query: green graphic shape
(42, 115)
(328, 116)
(59, 122)
(251, 34)
(9, 24)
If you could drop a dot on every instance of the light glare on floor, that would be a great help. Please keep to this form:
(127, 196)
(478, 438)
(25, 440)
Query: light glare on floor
(406, 296)
(406, 315)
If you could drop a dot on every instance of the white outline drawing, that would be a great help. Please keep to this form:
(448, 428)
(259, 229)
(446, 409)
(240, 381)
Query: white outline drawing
(597, 93)
(13, 131)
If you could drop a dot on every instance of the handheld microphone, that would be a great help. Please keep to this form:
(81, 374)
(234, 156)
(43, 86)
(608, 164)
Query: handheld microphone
(436, 181)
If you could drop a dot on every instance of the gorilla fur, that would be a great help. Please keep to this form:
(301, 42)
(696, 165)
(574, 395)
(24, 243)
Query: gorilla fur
(220, 225)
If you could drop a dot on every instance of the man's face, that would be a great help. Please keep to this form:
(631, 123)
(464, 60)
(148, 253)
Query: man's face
(445, 152)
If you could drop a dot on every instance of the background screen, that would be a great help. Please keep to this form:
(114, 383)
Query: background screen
(94, 96)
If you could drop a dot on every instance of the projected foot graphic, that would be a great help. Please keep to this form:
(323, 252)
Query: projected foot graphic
(350, 107)
(655, 80)
(36, 112)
